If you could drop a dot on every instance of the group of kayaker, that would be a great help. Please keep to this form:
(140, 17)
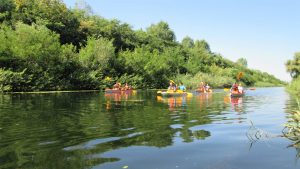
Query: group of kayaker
(118, 86)
(174, 87)
(204, 88)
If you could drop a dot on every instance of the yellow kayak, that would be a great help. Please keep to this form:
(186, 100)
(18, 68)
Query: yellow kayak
(172, 93)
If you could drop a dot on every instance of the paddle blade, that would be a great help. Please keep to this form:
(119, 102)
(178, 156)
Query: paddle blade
(239, 75)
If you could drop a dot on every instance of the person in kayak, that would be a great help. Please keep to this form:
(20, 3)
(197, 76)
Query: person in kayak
(172, 86)
(126, 87)
(117, 86)
(240, 88)
(207, 88)
(182, 87)
(234, 88)
(201, 88)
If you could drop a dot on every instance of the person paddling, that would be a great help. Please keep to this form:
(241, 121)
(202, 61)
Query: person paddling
(117, 86)
(172, 86)
(202, 87)
(208, 88)
(234, 87)
(181, 87)
(127, 87)
(240, 88)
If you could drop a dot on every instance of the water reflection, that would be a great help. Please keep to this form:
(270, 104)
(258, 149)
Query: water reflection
(85, 130)
(174, 102)
(183, 118)
(71, 128)
(236, 103)
(123, 95)
(36, 128)
(125, 99)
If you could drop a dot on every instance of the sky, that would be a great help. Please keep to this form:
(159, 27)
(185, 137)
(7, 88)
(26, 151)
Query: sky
(265, 32)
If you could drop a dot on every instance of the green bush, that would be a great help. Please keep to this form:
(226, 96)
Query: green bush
(135, 81)
(153, 67)
(13, 81)
(98, 54)
(215, 81)
(294, 86)
(35, 44)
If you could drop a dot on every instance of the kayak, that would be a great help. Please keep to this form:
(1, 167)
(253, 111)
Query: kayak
(172, 93)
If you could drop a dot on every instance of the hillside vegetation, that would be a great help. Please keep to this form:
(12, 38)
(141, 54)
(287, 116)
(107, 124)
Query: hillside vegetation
(46, 46)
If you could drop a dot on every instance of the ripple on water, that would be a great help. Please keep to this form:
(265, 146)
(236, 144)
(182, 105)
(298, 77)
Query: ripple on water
(91, 144)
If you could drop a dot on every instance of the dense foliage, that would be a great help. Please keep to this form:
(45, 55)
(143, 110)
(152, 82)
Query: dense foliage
(46, 46)
(293, 67)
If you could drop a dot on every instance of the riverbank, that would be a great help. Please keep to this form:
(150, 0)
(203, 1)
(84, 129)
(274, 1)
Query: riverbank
(83, 91)
(45, 92)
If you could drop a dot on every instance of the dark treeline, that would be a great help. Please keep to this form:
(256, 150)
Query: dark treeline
(46, 46)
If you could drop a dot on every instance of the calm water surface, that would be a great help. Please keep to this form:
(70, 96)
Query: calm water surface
(143, 131)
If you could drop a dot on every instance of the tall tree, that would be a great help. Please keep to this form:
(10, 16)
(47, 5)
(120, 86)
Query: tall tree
(160, 36)
(202, 44)
(98, 54)
(54, 14)
(187, 42)
(161, 31)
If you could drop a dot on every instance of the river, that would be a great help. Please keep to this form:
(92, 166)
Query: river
(142, 131)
